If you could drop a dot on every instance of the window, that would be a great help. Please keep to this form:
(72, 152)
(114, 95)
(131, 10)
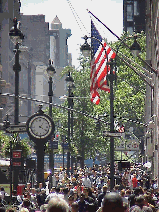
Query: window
(129, 12)
(136, 8)
(130, 30)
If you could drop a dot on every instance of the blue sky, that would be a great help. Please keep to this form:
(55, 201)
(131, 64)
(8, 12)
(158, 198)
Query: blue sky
(73, 15)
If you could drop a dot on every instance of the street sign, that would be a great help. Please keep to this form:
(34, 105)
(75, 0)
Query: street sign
(120, 146)
(55, 144)
(65, 146)
(16, 128)
(132, 146)
(116, 134)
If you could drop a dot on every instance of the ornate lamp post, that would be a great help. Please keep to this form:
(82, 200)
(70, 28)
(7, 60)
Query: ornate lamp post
(51, 72)
(16, 36)
(85, 48)
(69, 80)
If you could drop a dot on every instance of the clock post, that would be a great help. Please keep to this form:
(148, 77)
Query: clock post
(40, 127)
(40, 152)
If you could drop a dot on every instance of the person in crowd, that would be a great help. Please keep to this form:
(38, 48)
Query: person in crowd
(148, 200)
(55, 192)
(27, 203)
(1, 203)
(10, 209)
(2, 193)
(28, 187)
(123, 196)
(126, 207)
(70, 201)
(140, 205)
(16, 199)
(134, 181)
(137, 191)
(24, 210)
(2, 209)
(86, 181)
(83, 205)
(112, 202)
(87, 197)
(101, 195)
(74, 207)
(57, 204)
(93, 204)
(41, 197)
(76, 197)
(117, 188)
(33, 195)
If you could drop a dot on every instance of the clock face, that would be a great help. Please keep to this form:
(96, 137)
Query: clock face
(40, 127)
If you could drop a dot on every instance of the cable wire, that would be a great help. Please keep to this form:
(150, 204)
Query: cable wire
(69, 109)
(76, 16)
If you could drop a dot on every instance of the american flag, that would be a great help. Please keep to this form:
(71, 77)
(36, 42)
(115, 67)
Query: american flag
(99, 68)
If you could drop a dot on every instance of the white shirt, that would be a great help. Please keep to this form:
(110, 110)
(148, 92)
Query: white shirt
(86, 182)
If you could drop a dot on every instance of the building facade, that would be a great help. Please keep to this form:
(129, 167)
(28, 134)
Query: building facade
(60, 56)
(8, 10)
(151, 110)
(134, 14)
(37, 41)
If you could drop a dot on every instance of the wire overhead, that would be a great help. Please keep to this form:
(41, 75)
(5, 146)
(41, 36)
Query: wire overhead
(70, 109)
(77, 18)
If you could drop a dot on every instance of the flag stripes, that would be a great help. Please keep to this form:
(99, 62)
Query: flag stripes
(101, 53)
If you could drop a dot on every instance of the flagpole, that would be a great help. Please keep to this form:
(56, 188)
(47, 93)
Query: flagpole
(111, 78)
(104, 25)
(148, 65)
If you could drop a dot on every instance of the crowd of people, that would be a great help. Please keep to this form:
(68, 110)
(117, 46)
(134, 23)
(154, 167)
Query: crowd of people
(88, 190)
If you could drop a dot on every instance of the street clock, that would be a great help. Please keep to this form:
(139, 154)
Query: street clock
(40, 126)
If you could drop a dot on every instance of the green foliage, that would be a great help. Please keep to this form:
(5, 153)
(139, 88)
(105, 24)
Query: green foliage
(3, 139)
(129, 95)
(131, 89)
(25, 145)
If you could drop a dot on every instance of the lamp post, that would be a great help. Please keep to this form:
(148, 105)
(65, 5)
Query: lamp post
(153, 87)
(16, 36)
(51, 71)
(85, 48)
(69, 80)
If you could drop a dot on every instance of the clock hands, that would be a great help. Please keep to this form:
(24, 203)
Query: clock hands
(42, 128)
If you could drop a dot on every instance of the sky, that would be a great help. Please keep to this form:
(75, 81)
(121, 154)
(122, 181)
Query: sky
(74, 15)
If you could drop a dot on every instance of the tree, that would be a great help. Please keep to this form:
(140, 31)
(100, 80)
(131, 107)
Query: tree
(25, 144)
(129, 98)
(131, 89)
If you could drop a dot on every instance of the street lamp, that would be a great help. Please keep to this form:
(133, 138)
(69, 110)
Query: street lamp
(154, 97)
(111, 78)
(51, 72)
(16, 36)
(135, 48)
(85, 48)
(70, 84)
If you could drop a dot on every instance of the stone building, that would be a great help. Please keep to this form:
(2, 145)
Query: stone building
(8, 10)
(151, 109)
(134, 16)
(60, 56)
(37, 41)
